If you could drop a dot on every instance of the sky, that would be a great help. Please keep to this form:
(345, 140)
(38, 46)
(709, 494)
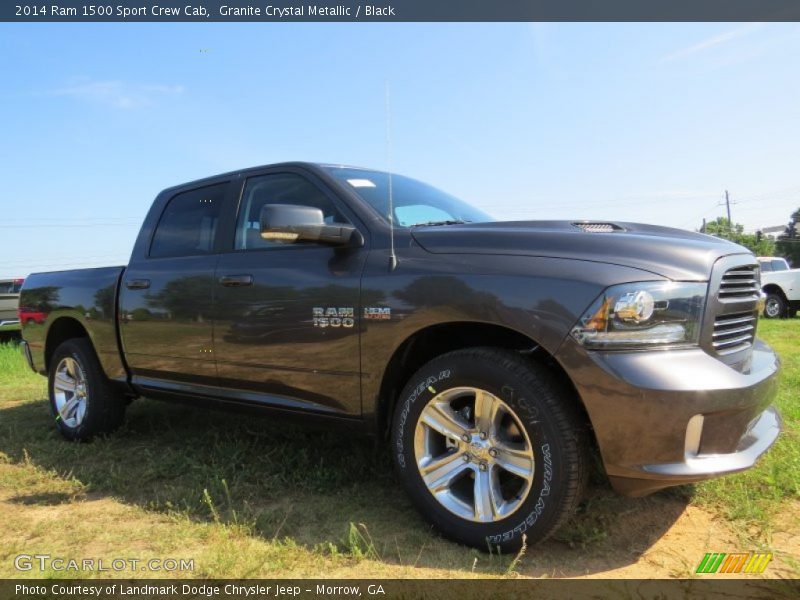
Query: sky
(635, 122)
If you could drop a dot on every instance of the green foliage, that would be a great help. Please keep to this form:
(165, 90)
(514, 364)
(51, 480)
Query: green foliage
(788, 244)
(758, 245)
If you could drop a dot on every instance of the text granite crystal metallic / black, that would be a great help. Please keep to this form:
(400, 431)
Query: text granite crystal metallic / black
(493, 357)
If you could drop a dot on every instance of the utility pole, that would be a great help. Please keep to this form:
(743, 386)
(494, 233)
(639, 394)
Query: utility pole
(728, 206)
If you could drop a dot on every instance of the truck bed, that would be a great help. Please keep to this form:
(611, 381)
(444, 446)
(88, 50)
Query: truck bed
(88, 296)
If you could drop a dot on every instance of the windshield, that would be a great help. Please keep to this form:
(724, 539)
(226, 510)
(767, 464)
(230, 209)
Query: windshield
(414, 202)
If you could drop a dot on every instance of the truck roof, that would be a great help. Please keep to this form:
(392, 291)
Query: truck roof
(314, 166)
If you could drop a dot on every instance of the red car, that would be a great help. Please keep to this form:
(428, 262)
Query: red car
(31, 315)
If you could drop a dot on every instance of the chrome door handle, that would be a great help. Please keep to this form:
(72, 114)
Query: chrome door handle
(137, 284)
(236, 280)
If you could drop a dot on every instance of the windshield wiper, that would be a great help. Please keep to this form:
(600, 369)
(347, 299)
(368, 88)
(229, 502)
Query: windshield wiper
(434, 223)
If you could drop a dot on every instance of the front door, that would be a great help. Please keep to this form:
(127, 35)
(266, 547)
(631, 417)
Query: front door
(286, 314)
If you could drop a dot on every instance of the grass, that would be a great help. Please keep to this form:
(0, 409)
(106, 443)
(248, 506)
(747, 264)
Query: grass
(246, 497)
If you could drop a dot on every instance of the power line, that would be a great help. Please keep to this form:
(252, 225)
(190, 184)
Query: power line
(700, 216)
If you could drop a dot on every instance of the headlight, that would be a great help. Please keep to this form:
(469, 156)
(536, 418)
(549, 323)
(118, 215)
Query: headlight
(643, 315)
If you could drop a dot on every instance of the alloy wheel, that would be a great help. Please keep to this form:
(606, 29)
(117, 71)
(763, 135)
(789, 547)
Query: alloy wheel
(473, 454)
(773, 307)
(70, 392)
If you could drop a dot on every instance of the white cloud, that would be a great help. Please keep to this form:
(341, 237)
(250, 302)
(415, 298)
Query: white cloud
(118, 94)
(712, 42)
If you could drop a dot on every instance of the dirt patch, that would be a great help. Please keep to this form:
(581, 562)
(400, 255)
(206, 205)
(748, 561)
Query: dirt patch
(638, 545)
(631, 553)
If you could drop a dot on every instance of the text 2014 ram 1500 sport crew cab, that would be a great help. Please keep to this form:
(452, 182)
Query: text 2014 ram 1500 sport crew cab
(492, 355)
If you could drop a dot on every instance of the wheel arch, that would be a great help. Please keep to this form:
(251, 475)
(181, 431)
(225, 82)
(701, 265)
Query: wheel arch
(61, 330)
(774, 288)
(429, 342)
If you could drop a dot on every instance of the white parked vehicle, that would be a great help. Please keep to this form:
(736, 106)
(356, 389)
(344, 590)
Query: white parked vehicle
(9, 302)
(781, 284)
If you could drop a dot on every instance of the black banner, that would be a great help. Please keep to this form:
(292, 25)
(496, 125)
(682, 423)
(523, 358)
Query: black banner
(400, 10)
(318, 589)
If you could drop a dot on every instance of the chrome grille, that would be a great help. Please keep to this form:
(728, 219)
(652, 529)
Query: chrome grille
(731, 317)
(740, 283)
(734, 332)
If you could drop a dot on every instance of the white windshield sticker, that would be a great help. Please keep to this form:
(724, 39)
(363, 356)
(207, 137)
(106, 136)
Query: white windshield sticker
(359, 183)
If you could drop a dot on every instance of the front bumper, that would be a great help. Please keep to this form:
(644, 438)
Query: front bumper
(664, 418)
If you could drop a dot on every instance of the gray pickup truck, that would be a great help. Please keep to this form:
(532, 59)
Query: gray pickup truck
(493, 356)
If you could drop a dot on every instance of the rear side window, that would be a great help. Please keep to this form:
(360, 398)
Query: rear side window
(188, 225)
(766, 266)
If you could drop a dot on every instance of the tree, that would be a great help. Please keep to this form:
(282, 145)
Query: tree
(44, 298)
(757, 244)
(788, 244)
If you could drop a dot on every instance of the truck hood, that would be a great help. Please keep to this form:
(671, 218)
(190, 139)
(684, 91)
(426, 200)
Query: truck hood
(672, 253)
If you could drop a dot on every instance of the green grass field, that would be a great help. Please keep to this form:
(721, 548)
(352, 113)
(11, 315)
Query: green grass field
(245, 497)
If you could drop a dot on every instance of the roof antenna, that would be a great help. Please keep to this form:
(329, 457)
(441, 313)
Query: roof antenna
(392, 255)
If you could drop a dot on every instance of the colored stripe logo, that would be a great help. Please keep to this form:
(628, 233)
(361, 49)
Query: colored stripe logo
(720, 562)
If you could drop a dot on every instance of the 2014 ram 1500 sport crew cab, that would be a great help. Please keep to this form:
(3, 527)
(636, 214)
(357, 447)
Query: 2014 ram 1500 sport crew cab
(492, 355)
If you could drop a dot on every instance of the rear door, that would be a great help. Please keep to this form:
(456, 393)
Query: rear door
(286, 330)
(166, 298)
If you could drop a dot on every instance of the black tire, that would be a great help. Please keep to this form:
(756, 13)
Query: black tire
(104, 409)
(775, 307)
(554, 429)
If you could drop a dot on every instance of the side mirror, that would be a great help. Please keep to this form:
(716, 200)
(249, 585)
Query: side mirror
(288, 223)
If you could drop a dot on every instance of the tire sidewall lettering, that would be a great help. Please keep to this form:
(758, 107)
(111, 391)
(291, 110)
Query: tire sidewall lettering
(419, 390)
(538, 508)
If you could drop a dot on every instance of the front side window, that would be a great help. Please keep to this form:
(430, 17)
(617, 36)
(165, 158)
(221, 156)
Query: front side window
(414, 202)
(188, 225)
(278, 188)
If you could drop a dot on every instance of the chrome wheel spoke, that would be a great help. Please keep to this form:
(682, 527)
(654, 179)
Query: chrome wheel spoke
(69, 407)
(487, 407)
(71, 367)
(486, 508)
(64, 382)
(442, 419)
(440, 472)
(515, 459)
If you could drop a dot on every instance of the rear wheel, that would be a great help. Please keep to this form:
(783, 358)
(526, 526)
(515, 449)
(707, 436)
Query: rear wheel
(775, 307)
(489, 448)
(82, 400)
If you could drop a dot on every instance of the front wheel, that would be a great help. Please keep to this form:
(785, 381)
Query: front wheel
(489, 448)
(775, 307)
(82, 401)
